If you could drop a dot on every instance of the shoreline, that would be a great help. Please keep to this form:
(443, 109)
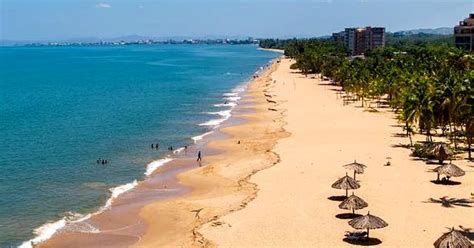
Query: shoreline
(273, 166)
(164, 165)
(221, 186)
(272, 50)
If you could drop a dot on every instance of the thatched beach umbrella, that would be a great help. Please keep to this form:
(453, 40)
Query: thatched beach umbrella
(346, 183)
(356, 167)
(449, 170)
(368, 222)
(453, 239)
(353, 203)
(442, 152)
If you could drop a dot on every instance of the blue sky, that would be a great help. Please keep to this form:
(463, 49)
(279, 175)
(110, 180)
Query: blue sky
(65, 19)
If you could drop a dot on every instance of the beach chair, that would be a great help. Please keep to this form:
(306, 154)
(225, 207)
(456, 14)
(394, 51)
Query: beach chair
(356, 236)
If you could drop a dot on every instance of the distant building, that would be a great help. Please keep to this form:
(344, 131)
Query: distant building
(464, 33)
(338, 37)
(359, 40)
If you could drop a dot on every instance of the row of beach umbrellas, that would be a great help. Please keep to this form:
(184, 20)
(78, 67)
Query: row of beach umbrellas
(354, 202)
(450, 239)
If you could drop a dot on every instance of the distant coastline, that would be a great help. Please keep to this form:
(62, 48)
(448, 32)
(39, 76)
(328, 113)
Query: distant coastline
(272, 50)
(118, 42)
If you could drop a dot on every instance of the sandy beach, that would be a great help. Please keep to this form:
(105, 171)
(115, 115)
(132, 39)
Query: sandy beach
(221, 186)
(293, 206)
(270, 183)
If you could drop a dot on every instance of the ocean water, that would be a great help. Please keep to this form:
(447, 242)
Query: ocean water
(62, 108)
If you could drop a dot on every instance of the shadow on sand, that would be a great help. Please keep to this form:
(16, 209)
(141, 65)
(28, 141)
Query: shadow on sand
(346, 216)
(400, 145)
(467, 232)
(450, 202)
(368, 242)
(327, 84)
(450, 183)
(337, 198)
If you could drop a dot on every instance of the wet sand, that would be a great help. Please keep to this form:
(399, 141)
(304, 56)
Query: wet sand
(126, 222)
(222, 186)
(274, 188)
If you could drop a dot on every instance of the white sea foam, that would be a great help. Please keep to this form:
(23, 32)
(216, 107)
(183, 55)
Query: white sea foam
(232, 98)
(224, 113)
(44, 232)
(178, 150)
(200, 137)
(155, 164)
(48, 229)
(213, 122)
(231, 94)
(118, 191)
(228, 104)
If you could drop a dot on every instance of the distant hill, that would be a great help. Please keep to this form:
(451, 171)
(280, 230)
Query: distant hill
(437, 31)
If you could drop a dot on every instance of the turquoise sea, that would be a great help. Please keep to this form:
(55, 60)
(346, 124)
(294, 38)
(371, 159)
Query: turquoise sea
(62, 108)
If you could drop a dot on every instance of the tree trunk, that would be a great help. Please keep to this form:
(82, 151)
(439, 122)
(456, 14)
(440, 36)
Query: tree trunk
(454, 138)
(469, 143)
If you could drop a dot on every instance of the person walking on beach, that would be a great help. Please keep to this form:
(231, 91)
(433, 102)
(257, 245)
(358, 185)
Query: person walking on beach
(199, 157)
(152, 146)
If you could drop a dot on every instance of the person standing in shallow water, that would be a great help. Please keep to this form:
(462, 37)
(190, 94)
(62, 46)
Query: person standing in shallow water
(199, 157)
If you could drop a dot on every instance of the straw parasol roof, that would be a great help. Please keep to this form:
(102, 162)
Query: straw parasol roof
(453, 239)
(356, 167)
(449, 170)
(442, 152)
(353, 203)
(367, 222)
(346, 183)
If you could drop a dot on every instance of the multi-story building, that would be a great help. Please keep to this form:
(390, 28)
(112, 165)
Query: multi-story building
(359, 40)
(464, 33)
(339, 36)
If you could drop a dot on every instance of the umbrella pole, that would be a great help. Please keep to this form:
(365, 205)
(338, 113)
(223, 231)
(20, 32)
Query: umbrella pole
(353, 211)
(367, 233)
(354, 174)
(346, 192)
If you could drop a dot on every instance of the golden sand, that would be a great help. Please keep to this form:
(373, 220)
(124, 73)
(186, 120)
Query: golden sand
(221, 186)
(293, 206)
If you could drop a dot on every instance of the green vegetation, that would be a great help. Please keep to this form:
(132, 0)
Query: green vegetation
(417, 40)
(429, 84)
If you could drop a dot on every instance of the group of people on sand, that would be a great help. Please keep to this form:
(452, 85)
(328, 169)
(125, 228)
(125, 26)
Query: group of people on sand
(102, 161)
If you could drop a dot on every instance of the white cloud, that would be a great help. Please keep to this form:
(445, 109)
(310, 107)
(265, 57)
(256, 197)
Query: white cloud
(103, 5)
